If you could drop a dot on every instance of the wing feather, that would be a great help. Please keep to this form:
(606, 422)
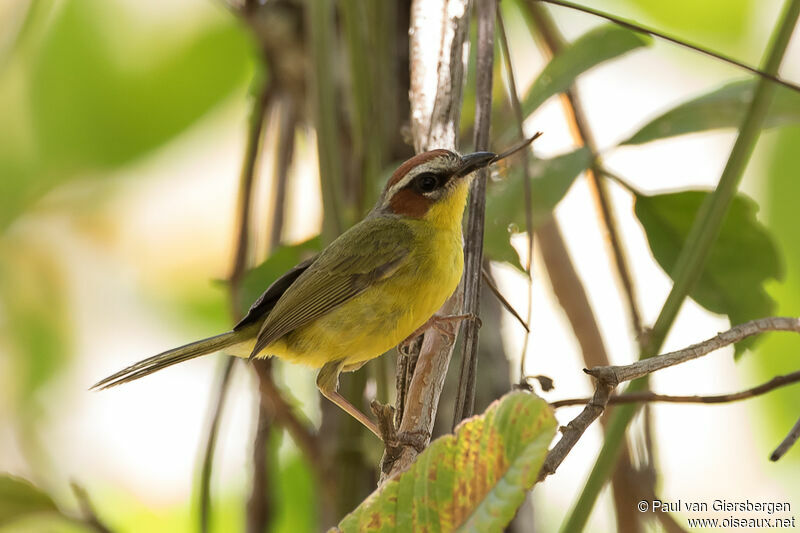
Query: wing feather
(370, 251)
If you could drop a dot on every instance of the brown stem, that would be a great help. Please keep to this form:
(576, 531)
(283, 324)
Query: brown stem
(437, 74)
(607, 378)
(650, 397)
(473, 249)
(787, 443)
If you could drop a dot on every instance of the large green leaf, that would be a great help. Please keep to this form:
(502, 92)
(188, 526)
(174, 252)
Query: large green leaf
(505, 205)
(596, 46)
(743, 258)
(19, 499)
(471, 481)
(721, 108)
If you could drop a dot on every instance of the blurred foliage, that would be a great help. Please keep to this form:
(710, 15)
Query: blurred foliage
(744, 256)
(721, 108)
(77, 102)
(780, 353)
(550, 179)
(37, 329)
(474, 479)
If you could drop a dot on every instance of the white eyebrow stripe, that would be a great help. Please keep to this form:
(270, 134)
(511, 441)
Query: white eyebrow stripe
(413, 173)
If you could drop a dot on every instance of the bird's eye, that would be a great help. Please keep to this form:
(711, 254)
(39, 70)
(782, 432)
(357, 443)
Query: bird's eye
(426, 182)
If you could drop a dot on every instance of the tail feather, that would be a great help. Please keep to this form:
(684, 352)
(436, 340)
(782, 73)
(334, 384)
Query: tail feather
(147, 366)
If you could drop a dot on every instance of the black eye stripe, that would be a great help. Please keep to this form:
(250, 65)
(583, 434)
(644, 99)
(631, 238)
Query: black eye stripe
(428, 181)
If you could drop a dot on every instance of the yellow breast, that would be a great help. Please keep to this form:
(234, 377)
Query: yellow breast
(386, 313)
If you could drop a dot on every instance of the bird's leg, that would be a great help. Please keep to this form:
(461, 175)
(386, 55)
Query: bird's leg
(442, 324)
(328, 382)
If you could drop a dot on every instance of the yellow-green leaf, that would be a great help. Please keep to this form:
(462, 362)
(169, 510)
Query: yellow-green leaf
(473, 480)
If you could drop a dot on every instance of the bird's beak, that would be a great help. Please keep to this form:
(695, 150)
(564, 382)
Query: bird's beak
(474, 161)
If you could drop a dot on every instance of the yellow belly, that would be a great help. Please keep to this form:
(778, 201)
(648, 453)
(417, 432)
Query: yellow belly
(385, 314)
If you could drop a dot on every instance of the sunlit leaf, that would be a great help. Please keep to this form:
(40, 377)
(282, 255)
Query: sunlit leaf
(505, 204)
(280, 260)
(742, 259)
(474, 480)
(19, 499)
(721, 108)
(587, 51)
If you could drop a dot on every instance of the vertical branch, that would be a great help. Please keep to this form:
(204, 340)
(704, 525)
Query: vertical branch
(255, 128)
(692, 259)
(473, 253)
(437, 76)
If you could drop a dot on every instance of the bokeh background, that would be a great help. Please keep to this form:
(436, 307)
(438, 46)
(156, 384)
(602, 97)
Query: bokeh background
(122, 129)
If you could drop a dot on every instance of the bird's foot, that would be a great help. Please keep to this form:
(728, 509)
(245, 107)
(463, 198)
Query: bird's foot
(444, 325)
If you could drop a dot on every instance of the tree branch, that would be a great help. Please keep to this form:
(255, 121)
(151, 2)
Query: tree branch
(473, 249)
(651, 397)
(607, 378)
(787, 443)
(437, 75)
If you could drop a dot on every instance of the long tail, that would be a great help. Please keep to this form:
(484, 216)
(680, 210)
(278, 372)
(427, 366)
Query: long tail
(147, 366)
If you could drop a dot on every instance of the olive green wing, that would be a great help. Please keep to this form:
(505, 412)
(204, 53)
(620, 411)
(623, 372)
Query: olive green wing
(368, 252)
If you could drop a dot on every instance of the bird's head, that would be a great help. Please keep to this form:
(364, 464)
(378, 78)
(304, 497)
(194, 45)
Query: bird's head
(432, 186)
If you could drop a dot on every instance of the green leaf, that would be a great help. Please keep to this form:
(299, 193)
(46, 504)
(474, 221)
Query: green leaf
(471, 481)
(505, 205)
(83, 103)
(589, 50)
(743, 258)
(282, 259)
(19, 499)
(721, 108)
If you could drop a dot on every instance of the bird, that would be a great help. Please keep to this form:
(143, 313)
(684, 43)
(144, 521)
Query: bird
(377, 285)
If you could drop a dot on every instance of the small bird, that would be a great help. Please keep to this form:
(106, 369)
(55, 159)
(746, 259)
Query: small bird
(377, 285)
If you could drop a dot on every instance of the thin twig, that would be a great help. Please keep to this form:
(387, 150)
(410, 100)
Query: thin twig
(650, 397)
(211, 441)
(607, 378)
(88, 515)
(619, 374)
(473, 248)
(516, 105)
(654, 33)
(787, 443)
(437, 75)
(496, 291)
